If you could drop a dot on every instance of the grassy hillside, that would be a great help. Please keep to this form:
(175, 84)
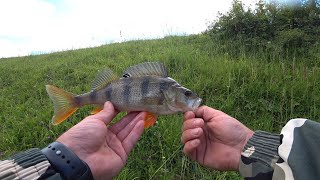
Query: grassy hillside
(261, 94)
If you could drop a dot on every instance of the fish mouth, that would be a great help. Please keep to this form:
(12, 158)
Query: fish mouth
(196, 104)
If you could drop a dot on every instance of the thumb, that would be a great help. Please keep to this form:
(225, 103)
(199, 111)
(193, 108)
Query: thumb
(207, 113)
(106, 114)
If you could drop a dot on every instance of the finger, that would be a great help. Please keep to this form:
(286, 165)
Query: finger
(204, 141)
(125, 131)
(207, 113)
(107, 114)
(189, 115)
(117, 127)
(191, 134)
(190, 148)
(130, 141)
(192, 123)
(114, 144)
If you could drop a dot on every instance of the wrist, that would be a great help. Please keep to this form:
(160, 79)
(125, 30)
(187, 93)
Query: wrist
(66, 162)
(249, 134)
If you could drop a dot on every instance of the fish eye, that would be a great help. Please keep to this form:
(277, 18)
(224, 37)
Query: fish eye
(126, 75)
(187, 93)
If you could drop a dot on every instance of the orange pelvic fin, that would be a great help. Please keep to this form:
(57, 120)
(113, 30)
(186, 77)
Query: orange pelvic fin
(97, 109)
(149, 119)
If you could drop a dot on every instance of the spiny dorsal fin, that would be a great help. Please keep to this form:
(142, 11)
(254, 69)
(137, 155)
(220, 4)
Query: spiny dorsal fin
(146, 69)
(103, 79)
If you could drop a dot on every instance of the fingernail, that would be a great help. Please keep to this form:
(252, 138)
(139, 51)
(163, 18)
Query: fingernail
(195, 132)
(141, 123)
(196, 122)
(142, 115)
(195, 142)
(107, 104)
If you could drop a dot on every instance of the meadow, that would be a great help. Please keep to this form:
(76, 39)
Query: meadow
(261, 93)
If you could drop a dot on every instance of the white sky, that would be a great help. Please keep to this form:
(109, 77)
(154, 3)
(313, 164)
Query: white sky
(42, 26)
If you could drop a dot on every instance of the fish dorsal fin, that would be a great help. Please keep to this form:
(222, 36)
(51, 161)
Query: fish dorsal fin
(146, 69)
(103, 79)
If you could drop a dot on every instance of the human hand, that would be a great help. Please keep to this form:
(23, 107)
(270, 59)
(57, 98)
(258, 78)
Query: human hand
(213, 138)
(104, 148)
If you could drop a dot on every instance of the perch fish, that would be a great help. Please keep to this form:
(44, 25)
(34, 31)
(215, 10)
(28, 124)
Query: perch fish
(142, 87)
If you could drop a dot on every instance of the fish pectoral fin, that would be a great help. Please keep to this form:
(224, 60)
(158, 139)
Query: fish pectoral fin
(149, 119)
(146, 69)
(96, 109)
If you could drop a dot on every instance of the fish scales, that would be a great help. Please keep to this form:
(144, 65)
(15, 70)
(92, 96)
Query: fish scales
(145, 85)
(108, 93)
(138, 92)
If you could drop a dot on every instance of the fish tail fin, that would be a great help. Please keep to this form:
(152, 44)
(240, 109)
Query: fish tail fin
(63, 103)
(149, 120)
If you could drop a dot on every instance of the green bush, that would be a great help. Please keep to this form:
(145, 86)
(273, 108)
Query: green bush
(283, 30)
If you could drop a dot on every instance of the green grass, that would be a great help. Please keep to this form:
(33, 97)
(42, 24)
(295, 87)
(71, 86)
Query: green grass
(261, 94)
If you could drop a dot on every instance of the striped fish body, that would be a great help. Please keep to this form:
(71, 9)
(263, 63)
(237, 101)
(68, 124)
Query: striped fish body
(145, 93)
(143, 87)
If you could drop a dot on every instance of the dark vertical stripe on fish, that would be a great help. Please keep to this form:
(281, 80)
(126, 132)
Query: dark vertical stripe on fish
(108, 93)
(77, 100)
(93, 95)
(145, 86)
(126, 90)
(164, 85)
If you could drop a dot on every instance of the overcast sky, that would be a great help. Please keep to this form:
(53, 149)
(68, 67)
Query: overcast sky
(43, 26)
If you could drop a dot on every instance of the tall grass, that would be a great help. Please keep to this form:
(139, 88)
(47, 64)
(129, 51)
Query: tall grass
(261, 94)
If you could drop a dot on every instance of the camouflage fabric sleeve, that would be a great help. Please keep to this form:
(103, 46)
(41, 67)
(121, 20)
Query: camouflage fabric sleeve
(260, 155)
(31, 164)
(291, 155)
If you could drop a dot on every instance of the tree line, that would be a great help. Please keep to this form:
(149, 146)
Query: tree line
(288, 29)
